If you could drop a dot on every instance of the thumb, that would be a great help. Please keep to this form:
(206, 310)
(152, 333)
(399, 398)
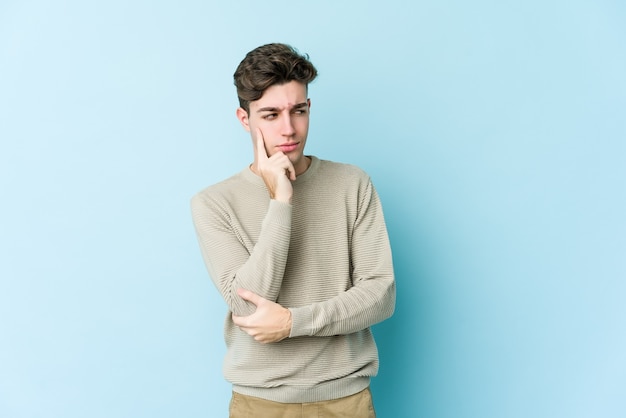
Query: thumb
(246, 294)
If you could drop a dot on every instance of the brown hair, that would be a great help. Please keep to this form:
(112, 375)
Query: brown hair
(268, 65)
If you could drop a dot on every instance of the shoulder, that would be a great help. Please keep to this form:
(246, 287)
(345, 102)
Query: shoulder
(223, 190)
(343, 171)
(346, 182)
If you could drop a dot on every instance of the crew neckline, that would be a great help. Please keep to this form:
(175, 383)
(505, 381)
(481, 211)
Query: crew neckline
(254, 178)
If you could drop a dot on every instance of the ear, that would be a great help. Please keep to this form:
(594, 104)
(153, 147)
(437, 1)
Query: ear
(242, 115)
(308, 101)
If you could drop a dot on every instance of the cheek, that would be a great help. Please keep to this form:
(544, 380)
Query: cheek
(269, 138)
(303, 124)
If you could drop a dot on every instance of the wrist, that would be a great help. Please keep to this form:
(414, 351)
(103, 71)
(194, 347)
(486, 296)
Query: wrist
(288, 322)
(281, 197)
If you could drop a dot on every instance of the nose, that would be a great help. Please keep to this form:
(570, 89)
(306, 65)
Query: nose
(287, 128)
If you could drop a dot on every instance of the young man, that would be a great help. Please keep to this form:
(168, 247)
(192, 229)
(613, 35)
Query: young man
(298, 248)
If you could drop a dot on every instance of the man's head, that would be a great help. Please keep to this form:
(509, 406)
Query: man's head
(272, 85)
(269, 65)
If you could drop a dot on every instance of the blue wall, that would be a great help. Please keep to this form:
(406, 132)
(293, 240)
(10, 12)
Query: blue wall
(494, 131)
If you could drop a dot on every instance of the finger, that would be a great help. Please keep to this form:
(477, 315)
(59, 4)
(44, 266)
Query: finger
(237, 320)
(285, 163)
(249, 296)
(261, 152)
(291, 171)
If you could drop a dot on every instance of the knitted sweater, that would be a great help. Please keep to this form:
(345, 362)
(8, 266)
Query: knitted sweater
(325, 256)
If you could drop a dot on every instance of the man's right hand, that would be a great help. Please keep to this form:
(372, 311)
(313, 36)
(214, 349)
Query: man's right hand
(276, 171)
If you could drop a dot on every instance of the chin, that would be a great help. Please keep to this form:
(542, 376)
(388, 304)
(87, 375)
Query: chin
(296, 157)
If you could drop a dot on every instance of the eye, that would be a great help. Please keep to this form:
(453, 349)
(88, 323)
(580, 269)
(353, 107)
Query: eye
(300, 111)
(270, 116)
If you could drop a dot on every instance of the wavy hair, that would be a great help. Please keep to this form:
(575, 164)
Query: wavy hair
(269, 65)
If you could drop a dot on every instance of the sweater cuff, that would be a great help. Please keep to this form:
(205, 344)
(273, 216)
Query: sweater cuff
(301, 322)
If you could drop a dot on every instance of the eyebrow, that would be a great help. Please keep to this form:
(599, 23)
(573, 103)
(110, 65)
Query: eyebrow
(276, 109)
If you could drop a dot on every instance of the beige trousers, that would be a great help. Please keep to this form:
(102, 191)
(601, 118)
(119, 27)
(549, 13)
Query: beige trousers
(358, 405)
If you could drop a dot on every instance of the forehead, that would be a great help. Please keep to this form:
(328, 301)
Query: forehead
(282, 96)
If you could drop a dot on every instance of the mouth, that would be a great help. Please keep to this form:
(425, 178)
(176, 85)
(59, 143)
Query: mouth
(288, 147)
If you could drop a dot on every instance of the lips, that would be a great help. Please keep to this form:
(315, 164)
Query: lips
(288, 147)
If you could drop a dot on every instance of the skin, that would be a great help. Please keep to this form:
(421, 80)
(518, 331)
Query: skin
(279, 124)
(270, 322)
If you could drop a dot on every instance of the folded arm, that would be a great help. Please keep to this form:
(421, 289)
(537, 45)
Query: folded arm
(370, 300)
(235, 263)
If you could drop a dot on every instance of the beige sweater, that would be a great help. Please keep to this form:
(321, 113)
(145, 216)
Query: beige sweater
(326, 257)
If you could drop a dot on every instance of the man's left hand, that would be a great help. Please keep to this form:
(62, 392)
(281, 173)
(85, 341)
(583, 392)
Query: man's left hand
(270, 322)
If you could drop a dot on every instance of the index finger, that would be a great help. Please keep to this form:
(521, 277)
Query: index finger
(261, 152)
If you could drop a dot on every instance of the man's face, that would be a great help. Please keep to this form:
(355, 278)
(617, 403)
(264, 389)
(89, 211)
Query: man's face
(282, 115)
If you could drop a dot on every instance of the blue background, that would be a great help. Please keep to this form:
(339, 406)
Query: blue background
(494, 131)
